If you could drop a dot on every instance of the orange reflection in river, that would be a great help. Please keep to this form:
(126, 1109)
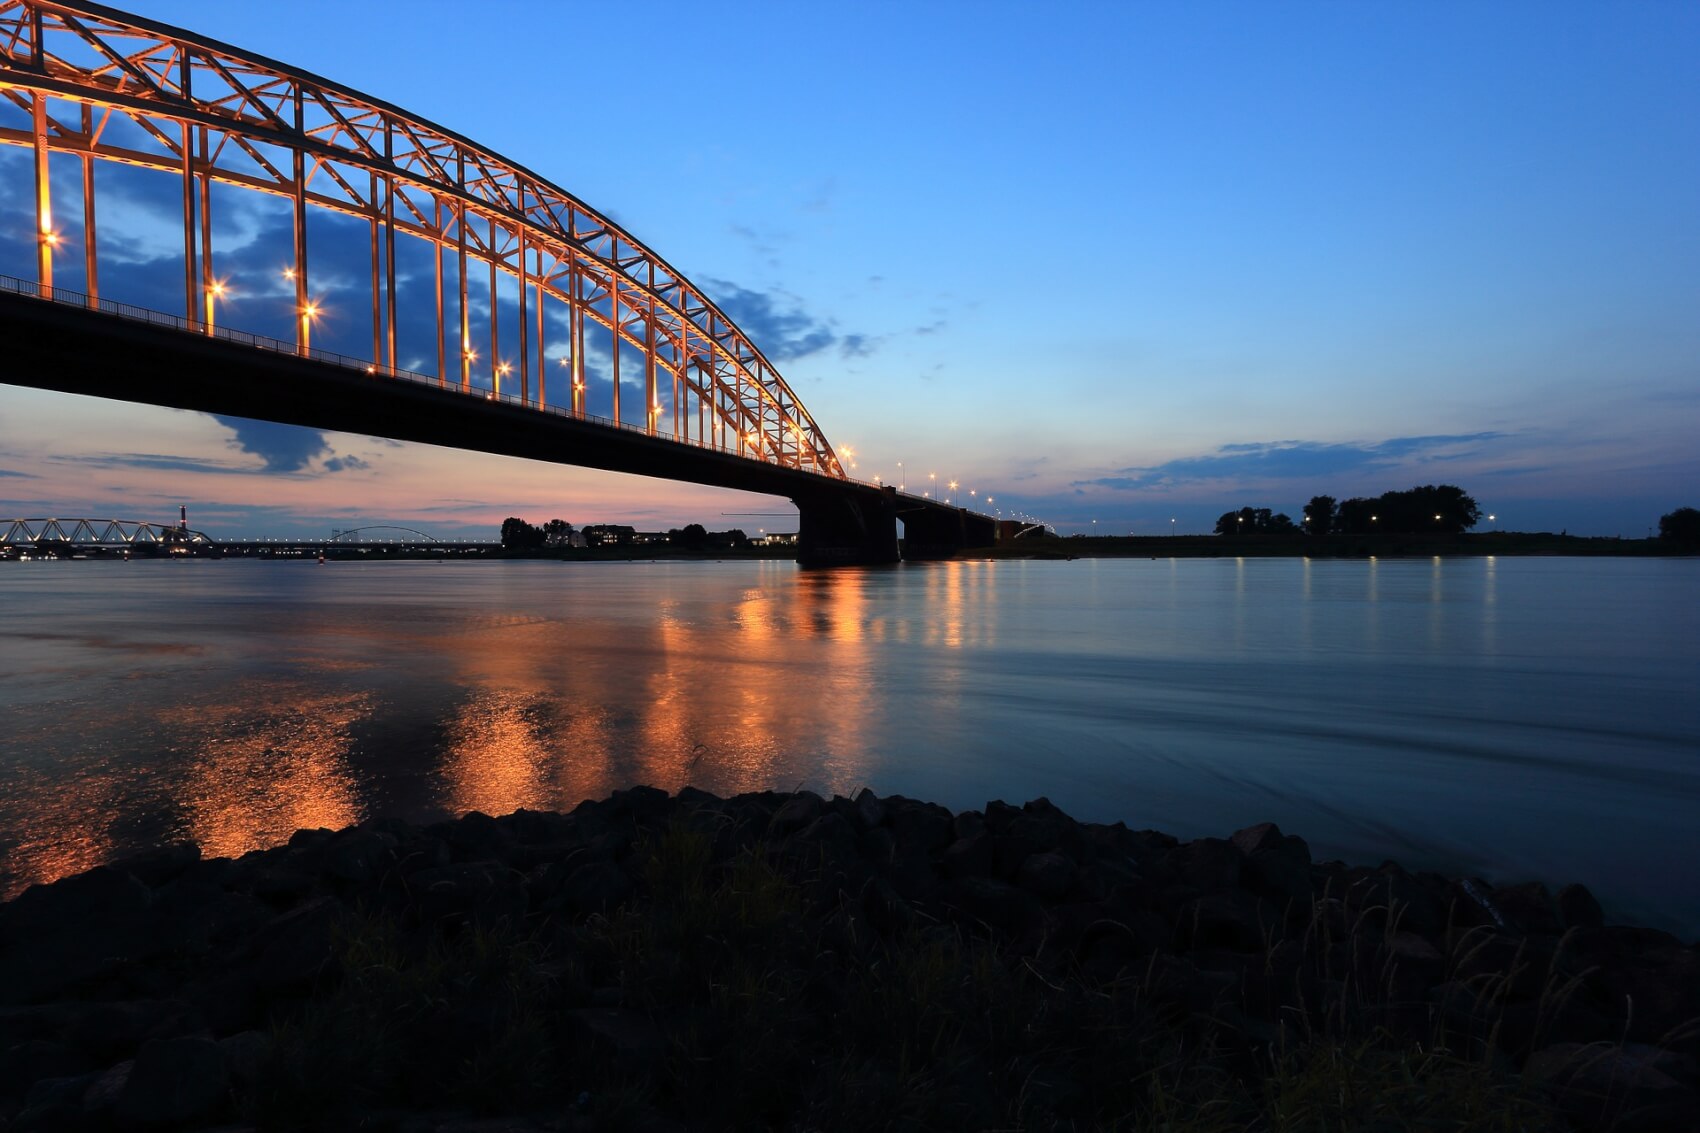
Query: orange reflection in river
(730, 698)
(511, 742)
(270, 764)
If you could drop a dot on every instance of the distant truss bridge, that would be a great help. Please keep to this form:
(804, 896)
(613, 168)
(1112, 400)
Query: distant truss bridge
(88, 534)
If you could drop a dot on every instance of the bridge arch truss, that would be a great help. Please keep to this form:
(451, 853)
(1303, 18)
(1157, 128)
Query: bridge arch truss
(111, 533)
(581, 297)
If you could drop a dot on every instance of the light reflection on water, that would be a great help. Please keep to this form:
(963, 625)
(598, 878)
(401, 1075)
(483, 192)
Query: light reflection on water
(1514, 717)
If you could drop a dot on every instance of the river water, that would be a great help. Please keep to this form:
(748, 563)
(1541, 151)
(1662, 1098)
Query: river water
(1515, 718)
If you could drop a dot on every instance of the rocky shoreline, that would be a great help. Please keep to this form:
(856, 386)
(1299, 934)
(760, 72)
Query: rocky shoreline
(786, 961)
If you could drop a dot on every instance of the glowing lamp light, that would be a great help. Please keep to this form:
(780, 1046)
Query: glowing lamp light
(289, 273)
(50, 237)
(503, 369)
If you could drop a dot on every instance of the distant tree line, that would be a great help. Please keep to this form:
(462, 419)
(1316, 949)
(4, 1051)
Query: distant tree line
(1680, 526)
(1254, 521)
(518, 535)
(1431, 507)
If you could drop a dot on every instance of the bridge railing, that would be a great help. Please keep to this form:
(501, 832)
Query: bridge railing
(132, 313)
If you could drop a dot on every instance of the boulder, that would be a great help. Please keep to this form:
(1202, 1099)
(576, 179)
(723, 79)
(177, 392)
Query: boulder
(1048, 876)
(1577, 907)
(973, 855)
(801, 809)
(1207, 864)
(1275, 865)
(174, 1082)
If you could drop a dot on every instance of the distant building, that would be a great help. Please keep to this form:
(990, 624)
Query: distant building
(776, 539)
(609, 535)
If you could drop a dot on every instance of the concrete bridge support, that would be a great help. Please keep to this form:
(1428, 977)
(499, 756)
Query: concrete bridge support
(851, 527)
(937, 531)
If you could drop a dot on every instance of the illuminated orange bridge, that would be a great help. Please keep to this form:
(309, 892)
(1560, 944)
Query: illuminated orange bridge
(476, 304)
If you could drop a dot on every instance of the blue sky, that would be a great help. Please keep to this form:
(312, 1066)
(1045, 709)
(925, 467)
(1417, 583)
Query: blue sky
(1116, 262)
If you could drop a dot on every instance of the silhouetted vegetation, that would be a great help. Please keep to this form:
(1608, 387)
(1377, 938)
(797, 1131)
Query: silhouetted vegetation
(1680, 526)
(692, 536)
(1254, 521)
(518, 535)
(1319, 515)
(1441, 508)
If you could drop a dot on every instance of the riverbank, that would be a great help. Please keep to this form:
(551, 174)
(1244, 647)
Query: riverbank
(1331, 546)
(792, 962)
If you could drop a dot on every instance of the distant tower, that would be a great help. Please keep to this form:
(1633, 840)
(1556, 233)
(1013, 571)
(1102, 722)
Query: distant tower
(183, 516)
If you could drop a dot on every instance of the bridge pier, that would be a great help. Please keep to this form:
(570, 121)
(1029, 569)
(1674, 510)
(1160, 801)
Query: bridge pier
(937, 531)
(855, 527)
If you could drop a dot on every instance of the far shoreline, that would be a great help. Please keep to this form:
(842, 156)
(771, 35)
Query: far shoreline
(1415, 545)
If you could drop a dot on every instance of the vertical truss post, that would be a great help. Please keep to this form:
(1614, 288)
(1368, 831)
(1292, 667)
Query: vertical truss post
(652, 402)
(459, 211)
(45, 237)
(495, 340)
(389, 253)
(90, 260)
(524, 328)
(614, 326)
(442, 328)
(209, 282)
(191, 282)
(575, 327)
(374, 213)
(542, 354)
(303, 320)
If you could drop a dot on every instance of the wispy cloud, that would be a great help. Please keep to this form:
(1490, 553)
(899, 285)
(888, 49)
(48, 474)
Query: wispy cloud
(779, 326)
(154, 462)
(1296, 460)
(8, 473)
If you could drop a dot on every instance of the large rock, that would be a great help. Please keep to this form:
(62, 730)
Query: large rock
(1231, 919)
(800, 810)
(72, 935)
(1275, 865)
(359, 857)
(994, 903)
(974, 855)
(483, 893)
(1617, 1086)
(1048, 876)
(155, 867)
(1207, 864)
(173, 1082)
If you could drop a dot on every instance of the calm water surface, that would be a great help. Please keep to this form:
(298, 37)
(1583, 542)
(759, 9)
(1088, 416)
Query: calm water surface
(1515, 718)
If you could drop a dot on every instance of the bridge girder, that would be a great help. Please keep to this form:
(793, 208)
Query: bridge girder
(107, 86)
(85, 532)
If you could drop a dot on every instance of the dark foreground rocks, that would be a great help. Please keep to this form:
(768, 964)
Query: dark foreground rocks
(793, 962)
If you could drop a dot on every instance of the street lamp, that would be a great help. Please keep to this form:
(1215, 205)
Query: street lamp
(308, 314)
(901, 485)
(953, 491)
(1171, 527)
(1492, 519)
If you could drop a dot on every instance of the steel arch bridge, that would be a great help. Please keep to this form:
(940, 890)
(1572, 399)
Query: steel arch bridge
(349, 536)
(106, 533)
(515, 255)
(525, 281)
